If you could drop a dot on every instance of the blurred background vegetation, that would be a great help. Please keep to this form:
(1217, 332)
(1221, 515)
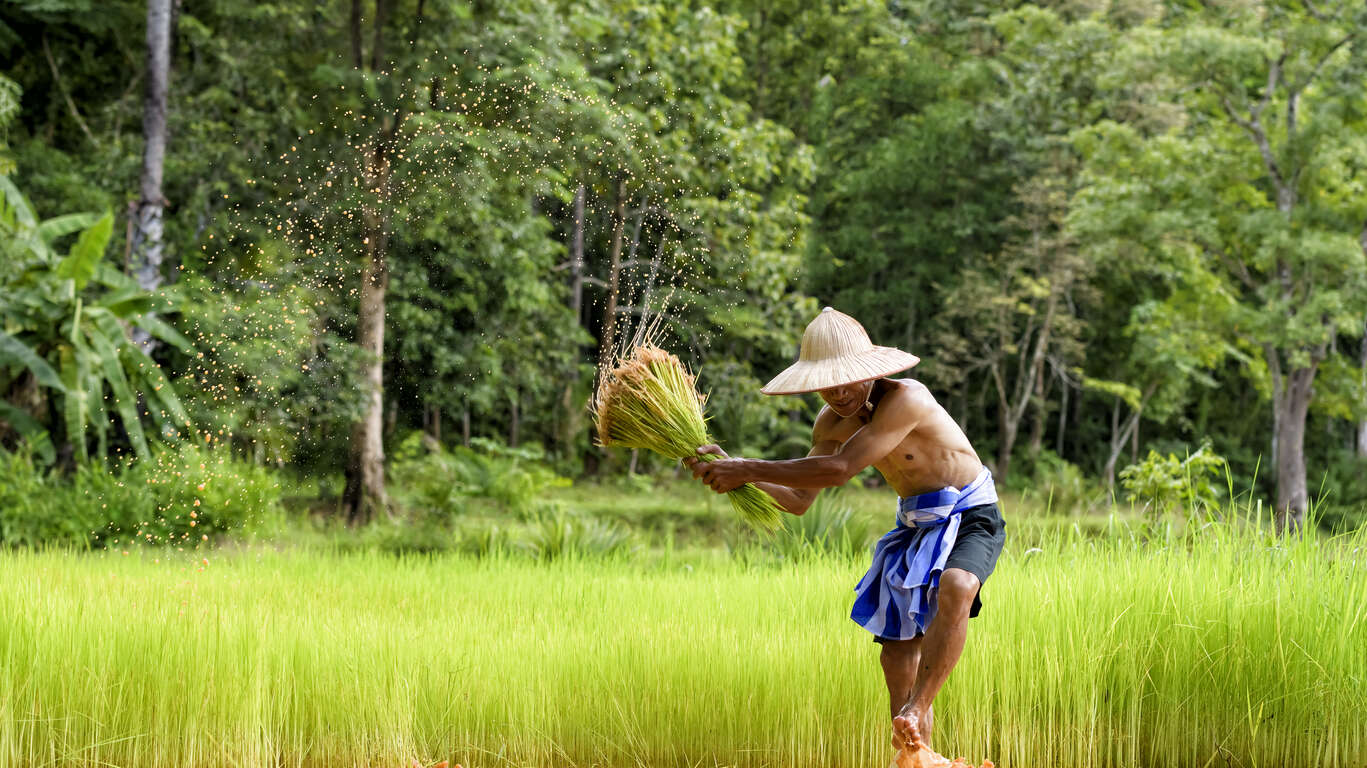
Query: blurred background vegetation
(1126, 237)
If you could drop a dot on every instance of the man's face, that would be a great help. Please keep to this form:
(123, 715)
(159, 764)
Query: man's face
(846, 400)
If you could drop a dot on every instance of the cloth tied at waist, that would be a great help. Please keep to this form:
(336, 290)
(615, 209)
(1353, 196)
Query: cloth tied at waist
(896, 599)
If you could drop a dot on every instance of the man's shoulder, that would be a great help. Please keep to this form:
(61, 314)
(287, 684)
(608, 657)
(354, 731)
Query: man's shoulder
(909, 393)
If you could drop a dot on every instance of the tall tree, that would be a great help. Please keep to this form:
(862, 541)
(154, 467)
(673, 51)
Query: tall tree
(1012, 318)
(365, 493)
(147, 245)
(1252, 185)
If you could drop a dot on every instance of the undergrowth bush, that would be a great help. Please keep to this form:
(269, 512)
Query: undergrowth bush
(1341, 498)
(558, 533)
(1060, 486)
(1163, 483)
(183, 495)
(427, 478)
(828, 527)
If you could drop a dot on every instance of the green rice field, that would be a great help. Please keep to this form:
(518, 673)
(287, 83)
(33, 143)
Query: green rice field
(1222, 649)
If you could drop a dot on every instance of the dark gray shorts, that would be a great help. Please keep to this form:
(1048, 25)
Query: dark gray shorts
(982, 532)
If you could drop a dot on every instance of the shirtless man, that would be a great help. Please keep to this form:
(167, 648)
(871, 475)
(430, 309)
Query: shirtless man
(923, 585)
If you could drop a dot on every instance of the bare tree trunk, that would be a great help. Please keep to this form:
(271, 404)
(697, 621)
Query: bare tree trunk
(514, 419)
(357, 57)
(1062, 419)
(577, 257)
(432, 421)
(1292, 497)
(465, 426)
(1036, 443)
(377, 42)
(1013, 412)
(1362, 360)
(606, 343)
(570, 417)
(147, 228)
(1121, 434)
(365, 491)
(1006, 442)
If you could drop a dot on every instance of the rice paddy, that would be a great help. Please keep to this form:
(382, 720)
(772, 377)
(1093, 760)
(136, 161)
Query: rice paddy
(1226, 649)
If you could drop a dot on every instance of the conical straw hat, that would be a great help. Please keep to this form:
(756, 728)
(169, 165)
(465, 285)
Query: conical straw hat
(835, 351)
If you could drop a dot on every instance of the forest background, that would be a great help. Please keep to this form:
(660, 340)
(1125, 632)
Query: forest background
(250, 241)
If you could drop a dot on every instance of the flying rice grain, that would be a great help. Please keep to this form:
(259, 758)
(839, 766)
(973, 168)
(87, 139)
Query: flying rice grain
(648, 401)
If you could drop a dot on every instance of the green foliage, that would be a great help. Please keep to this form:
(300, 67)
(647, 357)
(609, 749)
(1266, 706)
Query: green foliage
(1341, 493)
(1060, 486)
(63, 321)
(1164, 483)
(946, 172)
(433, 481)
(180, 497)
(270, 375)
(557, 534)
(829, 527)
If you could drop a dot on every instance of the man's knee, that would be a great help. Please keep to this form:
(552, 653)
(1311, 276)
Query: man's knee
(897, 654)
(957, 590)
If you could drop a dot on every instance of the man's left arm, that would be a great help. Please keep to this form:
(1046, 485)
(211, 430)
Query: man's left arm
(896, 416)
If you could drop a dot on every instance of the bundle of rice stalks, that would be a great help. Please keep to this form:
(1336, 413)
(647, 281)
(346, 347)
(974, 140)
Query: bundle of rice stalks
(648, 401)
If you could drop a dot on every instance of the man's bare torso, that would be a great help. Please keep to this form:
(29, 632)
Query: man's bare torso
(933, 455)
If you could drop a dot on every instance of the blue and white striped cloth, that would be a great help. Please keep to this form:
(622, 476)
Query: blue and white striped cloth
(896, 598)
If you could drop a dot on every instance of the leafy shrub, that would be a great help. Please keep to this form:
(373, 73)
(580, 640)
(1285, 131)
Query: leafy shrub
(828, 527)
(180, 496)
(1161, 483)
(1060, 484)
(1341, 501)
(557, 534)
(427, 478)
(32, 505)
(198, 492)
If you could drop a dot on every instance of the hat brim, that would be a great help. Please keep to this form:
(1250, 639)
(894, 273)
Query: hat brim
(812, 376)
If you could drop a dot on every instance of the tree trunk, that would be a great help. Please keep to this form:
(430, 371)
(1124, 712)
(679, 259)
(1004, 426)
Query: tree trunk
(1362, 360)
(1036, 443)
(1006, 441)
(432, 421)
(514, 419)
(465, 426)
(1012, 407)
(1062, 419)
(577, 257)
(1121, 434)
(607, 342)
(569, 419)
(357, 58)
(147, 227)
(365, 491)
(1292, 406)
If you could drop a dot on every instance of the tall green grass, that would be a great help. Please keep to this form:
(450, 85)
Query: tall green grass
(1224, 648)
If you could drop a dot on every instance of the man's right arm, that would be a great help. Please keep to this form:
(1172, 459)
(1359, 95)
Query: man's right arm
(797, 500)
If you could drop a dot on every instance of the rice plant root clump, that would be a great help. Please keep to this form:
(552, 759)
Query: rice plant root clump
(648, 401)
(920, 756)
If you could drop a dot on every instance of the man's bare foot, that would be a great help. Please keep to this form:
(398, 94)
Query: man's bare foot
(911, 726)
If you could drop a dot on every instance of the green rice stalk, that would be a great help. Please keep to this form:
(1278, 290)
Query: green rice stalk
(649, 401)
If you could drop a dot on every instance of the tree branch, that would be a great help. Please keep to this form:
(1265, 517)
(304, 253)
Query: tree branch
(1294, 97)
(61, 86)
(1259, 136)
(1236, 267)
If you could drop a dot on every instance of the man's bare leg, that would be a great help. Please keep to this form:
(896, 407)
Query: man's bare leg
(900, 658)
(940, 649)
